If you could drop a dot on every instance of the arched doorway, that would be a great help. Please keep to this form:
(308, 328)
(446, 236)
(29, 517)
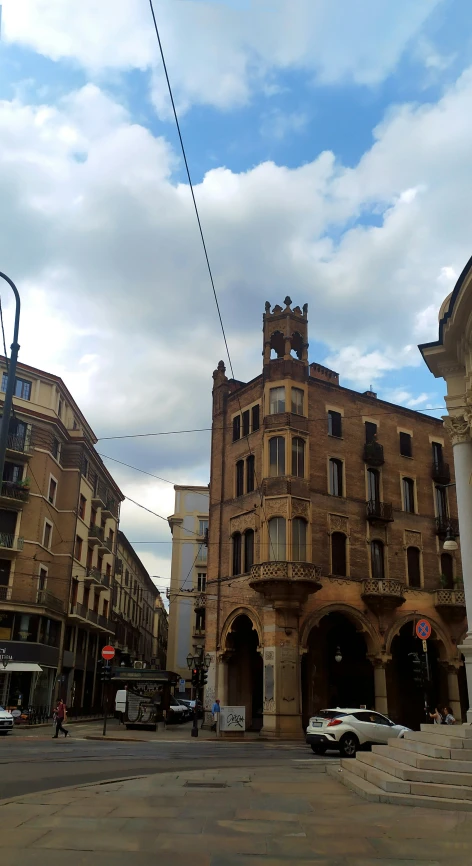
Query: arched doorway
(406, 699)
(336, 679)
(245, 671)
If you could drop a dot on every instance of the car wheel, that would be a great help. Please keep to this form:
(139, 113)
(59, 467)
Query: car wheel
(348, 745)
(318, 749)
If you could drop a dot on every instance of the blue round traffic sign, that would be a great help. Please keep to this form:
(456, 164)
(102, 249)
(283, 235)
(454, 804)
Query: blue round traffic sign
(423, 629)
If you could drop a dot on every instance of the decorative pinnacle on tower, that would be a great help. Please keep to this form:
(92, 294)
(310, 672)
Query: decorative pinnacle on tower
(286, 332)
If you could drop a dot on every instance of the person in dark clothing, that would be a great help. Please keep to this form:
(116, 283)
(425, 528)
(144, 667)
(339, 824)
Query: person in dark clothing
(61, 715)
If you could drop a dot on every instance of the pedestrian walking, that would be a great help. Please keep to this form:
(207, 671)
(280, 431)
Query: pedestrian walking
(448, 718)
(61, 717)
(438, 719)
(215, 710)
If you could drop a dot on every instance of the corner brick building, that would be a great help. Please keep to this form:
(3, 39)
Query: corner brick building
(328, 513)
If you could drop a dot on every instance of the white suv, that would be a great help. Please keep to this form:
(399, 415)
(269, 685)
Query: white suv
(6, 721)
(346, 729)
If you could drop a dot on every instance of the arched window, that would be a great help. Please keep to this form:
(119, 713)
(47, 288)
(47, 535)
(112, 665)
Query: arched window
(248, 550)
(447, 570)
(414, 569)
(240, 478)
(338, 553)
(277, 456)
(277, 539)
(335, 477)
(373, 485)
(377, 560)
(298, 457)
(237, 553)
(408, 495)
(299, 528)
(250, 473)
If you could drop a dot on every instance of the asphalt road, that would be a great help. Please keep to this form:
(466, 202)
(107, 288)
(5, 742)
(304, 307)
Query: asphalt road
(38, 764)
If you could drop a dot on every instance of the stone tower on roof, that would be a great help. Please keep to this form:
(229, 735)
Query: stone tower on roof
(286, 332)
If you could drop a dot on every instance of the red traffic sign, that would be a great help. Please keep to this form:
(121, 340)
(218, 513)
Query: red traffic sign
(423, 629)
(108, 653)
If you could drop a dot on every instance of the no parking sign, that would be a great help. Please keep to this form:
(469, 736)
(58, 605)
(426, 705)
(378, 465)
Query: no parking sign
(423, 629)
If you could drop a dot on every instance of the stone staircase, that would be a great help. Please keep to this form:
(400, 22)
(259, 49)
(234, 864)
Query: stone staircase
(431, 767)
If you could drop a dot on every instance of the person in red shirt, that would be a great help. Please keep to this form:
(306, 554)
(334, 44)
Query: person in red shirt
(60, 717)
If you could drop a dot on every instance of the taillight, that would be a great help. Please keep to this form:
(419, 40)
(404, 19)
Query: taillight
(334, 722)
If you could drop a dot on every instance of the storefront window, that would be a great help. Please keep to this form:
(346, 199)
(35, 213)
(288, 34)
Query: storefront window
(26, 628)
(6, 624)
(49, 631)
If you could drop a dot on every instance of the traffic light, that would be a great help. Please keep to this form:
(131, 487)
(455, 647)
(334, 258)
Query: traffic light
(106, 674)
(420, 674)
(204, 678)
(195, 678)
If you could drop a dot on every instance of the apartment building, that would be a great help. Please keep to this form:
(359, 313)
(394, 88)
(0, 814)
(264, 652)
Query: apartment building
(134, 607)
(328, 513)
(187, 598)
(160, 634)
(59, 512)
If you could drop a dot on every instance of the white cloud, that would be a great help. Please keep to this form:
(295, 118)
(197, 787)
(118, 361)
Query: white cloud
(219, 54)
(276, 124)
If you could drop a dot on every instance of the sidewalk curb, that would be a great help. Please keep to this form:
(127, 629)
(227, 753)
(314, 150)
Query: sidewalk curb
(21, 797)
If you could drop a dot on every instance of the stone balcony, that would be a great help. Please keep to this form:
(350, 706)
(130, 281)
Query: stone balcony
(286, 584)
(450, 602)
(379, 593)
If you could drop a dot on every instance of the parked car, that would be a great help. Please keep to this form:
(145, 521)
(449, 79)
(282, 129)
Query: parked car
(187, 711)
(6, 722)
(177, 712)
(347, 729)
(189, 704)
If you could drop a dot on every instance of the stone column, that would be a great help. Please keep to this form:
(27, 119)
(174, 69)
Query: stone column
(380, 684)
(453, 691)
(459, 430)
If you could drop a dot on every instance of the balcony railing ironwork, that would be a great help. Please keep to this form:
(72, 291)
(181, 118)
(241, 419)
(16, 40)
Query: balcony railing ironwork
(31, 596)
(19, 444)
(440, 472)
(11, 541)
(447, 524)
(96, 576)
(47, 599)
(384, 588)
(374, 454)
(381, 512)
(12, 490)
(284, 570)
(449, 598)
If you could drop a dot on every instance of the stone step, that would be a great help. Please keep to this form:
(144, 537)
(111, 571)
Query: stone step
(374, 794)
(414, 774)
(422, 748)
(447, 740)
(423, 762)
(464, 731)
(381, 779)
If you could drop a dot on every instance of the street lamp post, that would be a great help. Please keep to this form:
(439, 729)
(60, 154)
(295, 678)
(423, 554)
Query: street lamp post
(5, 426)
(199, 665)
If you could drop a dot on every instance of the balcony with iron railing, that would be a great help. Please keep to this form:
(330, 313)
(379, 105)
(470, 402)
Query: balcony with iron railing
(13, 495)
(10, 542)
(450, 601)
(285, 582)
(440, 472)
(445, 525)
(379, 512)
(373, 454)
(381, 589)
(96, 536)
(19, 446)
(99, 496)
(31, 597)
(94, 577)
(110, 509)
(80, 611)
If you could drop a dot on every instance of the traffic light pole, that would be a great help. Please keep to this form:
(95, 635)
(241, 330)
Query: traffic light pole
(105, 678)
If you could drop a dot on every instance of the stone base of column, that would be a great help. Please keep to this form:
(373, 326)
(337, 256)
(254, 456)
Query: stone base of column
(281, 727)
(466, 650)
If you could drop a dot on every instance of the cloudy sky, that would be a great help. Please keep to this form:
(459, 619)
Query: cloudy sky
(330, 146)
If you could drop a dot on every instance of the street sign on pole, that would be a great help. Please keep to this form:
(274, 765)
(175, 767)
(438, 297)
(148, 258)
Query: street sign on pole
(181, 686)
(425, 647)
(423, 629)
(108, 653)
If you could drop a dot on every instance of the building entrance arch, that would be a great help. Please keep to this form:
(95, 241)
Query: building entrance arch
(336, 670)
(244, 670)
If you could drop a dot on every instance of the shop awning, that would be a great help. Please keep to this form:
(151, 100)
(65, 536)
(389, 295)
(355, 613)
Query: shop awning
(21, 667)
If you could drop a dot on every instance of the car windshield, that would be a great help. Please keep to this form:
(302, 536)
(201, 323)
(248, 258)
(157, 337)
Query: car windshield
(2, 710)
(329, 714)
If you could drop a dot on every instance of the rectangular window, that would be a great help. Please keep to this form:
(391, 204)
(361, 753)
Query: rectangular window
(93, 517)
(441, 503)
(370, 432)
(43, 576)
(126, 577)
(105, 608)
(335, 424)
(408, 495)
(250, 474)
(405, 445)
(276, 401)
(59, 409)
(47, 534)
(202, 527)
(255, 418)
(277, 456)
(336, 477)
(78, 547)
(236, 428)
(82, 504)
(246, 418)
(438, 459)
(55, 448)
(297, 401)
(111, 537)
(201, 582)
(52, 491)
(108, 570)
(96, 600)
(240, 478)
(22, 387)
(89, 557)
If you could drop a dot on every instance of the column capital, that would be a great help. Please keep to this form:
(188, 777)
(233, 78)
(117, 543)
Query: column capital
(379, 661)
(459, 427)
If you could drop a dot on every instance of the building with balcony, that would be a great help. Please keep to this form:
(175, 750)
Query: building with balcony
(187, 599)
(59, 512)
(327, 515)
(134, 608)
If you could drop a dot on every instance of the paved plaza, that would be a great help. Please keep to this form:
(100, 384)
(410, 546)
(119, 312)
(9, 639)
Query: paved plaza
(228, 817)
